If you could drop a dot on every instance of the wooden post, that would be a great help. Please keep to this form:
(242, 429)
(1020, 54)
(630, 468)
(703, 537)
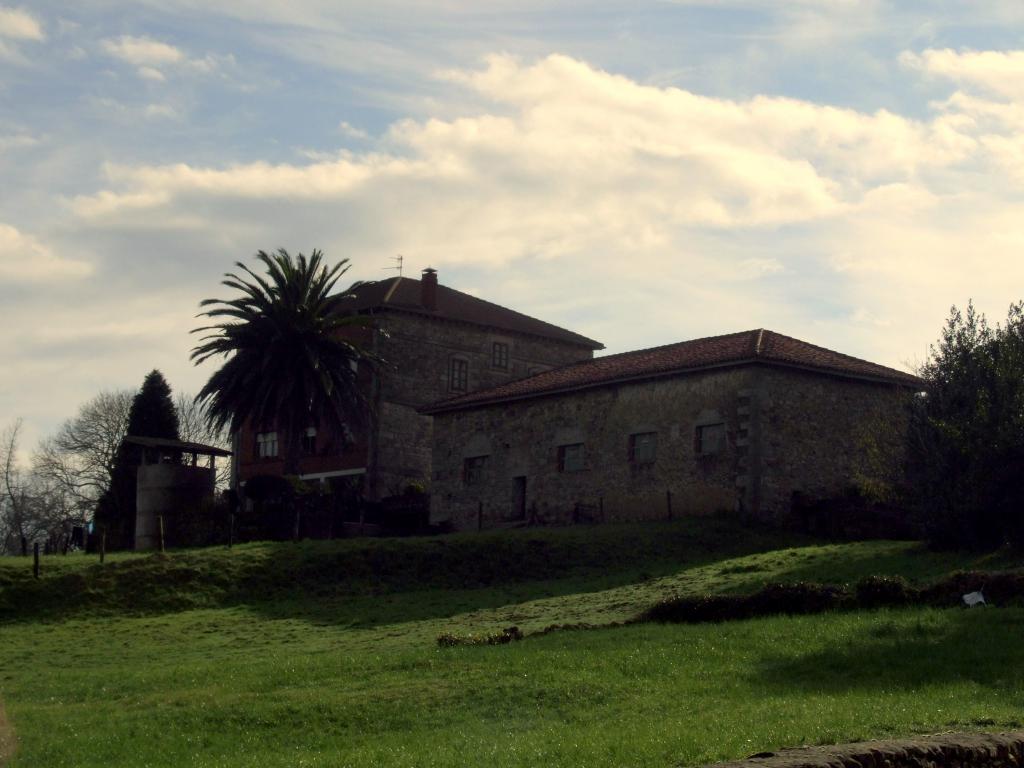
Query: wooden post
(160, 518)
(480, 516)
(24, 547)
(668, 502)
(103, 545)
(231, 529)
(600, 506)
(295, 530)
(35, 560)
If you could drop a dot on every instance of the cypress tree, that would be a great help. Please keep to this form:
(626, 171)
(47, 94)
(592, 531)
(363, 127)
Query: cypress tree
(152, 413)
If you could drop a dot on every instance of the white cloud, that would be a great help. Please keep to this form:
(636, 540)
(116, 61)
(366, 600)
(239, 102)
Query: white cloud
(17, 141)
(143, 51)
(152, 59)
(24, 259)
(997, 72)
(151, 73)
(161, 111)
(19, 24)
(584, 156)
(346, 129)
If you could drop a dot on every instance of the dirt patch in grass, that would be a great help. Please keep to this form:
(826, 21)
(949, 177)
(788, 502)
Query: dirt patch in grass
(8, 743)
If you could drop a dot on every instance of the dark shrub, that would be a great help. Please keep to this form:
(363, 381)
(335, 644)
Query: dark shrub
(797, 598)
(878, 591)
(694, 610)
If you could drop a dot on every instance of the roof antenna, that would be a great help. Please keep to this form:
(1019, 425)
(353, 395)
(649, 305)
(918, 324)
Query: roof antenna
(398, 263)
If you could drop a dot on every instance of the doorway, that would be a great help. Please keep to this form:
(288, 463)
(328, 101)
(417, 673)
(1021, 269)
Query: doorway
(519, 497)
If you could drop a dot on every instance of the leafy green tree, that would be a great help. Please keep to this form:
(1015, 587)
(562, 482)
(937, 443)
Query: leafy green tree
(151, 414)
(290, 361)
(967, 433)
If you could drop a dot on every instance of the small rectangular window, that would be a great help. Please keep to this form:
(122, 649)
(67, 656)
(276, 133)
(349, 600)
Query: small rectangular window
(266, 444)
(309, 442)
(458, 375)
(499, 355)
(570, 457)
(643, 447)
(473, 470)
(710, 439)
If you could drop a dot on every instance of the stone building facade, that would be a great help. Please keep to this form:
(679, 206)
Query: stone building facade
(436, 343)
(739, 422)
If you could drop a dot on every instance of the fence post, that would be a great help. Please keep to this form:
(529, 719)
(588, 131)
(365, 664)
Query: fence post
(480, 516)
(35, 560)
(600, 506)
(103, 545)
(160, 519)
(668, 502)
(231, 529)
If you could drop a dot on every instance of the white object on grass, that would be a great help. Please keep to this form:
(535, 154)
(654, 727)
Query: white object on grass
(972, 599)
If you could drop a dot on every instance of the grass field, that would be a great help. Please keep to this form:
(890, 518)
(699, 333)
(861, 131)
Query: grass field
(324, 653)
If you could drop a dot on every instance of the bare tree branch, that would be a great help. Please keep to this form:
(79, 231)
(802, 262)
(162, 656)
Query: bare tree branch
(79, 459)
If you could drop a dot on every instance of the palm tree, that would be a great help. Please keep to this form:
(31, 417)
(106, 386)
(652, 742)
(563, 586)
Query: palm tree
(288, 365)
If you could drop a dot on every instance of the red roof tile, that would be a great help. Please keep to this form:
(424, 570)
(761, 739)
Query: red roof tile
(757, 346)
(403, 294)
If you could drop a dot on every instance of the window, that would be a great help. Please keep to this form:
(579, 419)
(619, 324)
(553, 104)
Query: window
(458, 375)
(643, 447)
(499, 355)
(309, 442)
(570, 457)
(710, 439)
(266, 444)
(473, 470)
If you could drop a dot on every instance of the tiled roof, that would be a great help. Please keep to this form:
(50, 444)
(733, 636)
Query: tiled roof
(757, 346)
(403, 294)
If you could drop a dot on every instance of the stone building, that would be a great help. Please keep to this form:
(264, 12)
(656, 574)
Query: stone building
(436, 342)
(737, 422)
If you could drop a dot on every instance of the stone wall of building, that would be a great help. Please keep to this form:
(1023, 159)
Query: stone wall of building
(523, 440)
(782, 431)
(822, 435)
(418, 350)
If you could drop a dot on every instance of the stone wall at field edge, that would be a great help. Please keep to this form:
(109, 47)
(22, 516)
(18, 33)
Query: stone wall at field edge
(949, 750)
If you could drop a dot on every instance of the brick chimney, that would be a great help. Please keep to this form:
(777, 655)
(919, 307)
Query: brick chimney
(428, 289)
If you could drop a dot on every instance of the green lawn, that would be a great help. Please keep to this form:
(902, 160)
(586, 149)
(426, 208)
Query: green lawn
(346, 671)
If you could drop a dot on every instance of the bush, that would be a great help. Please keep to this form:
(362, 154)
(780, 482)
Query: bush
(799, 598)
(879, 591)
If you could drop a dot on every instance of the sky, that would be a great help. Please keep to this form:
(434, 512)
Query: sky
(639, 172)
